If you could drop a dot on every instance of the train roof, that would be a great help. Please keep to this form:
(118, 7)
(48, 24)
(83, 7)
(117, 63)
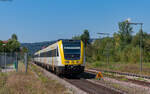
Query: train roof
(63, 40)
(69, 40)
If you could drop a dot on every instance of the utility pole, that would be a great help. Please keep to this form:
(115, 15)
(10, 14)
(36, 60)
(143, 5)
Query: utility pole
(141, 50)
(141, 39)
(16, 62)
(4, 57)
(26, 61)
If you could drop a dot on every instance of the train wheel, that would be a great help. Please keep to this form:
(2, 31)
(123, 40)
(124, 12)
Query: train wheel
(58, 73)
(55, 70)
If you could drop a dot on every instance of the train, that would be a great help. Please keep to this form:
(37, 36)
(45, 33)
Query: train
(65, 56)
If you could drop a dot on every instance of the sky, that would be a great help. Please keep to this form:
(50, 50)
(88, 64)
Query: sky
(46, 20)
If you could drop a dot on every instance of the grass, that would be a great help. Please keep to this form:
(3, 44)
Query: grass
(121, 66)
(141, 79)
(27, 83)
(126, 88)
(119, 77)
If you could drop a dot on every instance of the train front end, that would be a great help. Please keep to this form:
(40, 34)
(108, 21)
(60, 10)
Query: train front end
(73, 56)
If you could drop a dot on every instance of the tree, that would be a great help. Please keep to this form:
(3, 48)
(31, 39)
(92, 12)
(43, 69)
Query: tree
(14, 37)
(85, 37)
(1, 46)
(76, 37)
(13, 45)
(116, 38)
(136, 40)
(24, 49)
(125, 33)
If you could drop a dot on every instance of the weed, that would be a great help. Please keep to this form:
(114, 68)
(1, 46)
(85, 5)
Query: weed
(21, 83)
(121, 66)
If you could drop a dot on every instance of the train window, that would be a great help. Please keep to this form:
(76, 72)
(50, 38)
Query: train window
(35, 56)
(57, 54)
(46, 54)
(51, 53)
(72, 50)
(42, 54)
(71, 43)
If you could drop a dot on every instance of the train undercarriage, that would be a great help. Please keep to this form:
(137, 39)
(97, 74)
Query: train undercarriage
(63, 70)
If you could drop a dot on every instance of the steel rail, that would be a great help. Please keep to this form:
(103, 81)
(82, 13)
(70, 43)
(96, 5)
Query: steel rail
(120, 73)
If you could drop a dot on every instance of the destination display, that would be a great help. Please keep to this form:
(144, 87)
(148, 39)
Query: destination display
(71, 47)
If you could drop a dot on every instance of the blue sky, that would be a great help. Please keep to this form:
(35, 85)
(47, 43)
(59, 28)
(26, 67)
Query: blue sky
(45, 20)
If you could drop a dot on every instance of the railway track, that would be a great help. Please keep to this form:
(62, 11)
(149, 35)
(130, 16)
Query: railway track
(83, 84)
(119, 73)
(91, 88)
(95, 71)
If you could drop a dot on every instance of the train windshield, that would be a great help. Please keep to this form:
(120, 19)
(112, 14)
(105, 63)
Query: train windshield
(72, 50)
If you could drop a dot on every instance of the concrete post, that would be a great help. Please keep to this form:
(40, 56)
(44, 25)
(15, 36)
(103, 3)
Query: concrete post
(16, 63)
(26, 62)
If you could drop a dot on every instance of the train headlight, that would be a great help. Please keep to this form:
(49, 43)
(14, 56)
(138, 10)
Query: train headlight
(66, 61)
(78, 61)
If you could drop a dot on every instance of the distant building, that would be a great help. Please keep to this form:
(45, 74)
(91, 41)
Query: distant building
(4, 42)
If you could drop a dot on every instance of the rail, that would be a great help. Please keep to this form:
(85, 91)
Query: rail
(120, 73)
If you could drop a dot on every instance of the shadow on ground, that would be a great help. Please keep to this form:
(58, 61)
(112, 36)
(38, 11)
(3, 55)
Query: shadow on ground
(84, 75)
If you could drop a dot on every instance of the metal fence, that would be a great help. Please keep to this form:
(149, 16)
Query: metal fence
(7, 59)
(11, 60)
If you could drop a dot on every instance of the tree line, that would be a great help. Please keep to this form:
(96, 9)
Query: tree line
(12, 45)
(122, 46)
